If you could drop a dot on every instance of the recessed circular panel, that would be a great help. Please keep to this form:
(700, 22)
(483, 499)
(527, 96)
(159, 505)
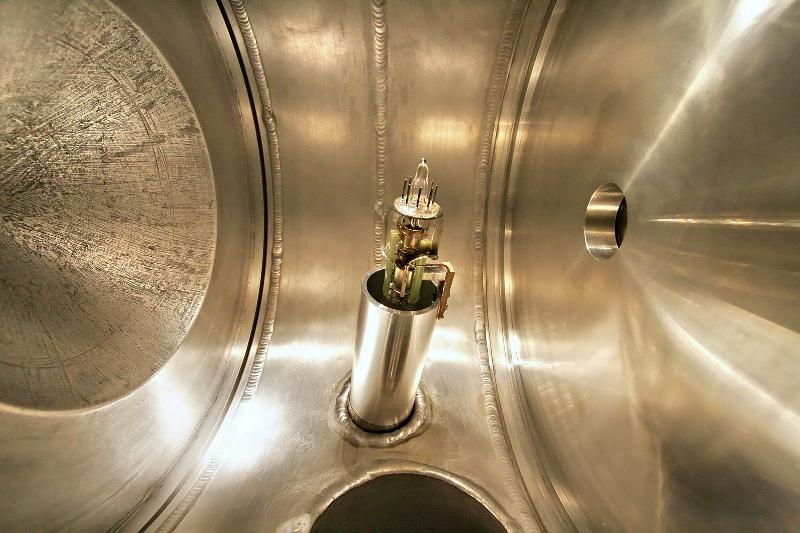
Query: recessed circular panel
(107, 207)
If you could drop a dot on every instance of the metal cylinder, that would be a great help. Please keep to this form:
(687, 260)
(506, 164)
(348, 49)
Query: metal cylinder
(391, 343)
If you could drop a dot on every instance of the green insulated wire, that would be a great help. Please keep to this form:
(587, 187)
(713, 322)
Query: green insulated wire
(391, 255)
(416, 279)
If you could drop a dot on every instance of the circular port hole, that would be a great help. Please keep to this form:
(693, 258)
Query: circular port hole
(606, 221)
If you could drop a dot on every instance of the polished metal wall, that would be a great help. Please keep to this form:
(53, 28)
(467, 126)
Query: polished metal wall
(191, 192)
(658, 387)
(360, 91)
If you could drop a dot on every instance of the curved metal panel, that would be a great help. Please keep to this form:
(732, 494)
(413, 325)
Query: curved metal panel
(132, 254)
(658, 387)
(108, 203)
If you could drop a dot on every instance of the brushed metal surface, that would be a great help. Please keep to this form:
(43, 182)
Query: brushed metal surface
(131, 242)
(655, 390)
(107, 207)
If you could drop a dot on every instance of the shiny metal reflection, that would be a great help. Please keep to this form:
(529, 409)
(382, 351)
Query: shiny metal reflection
(606, 221)
(375, 119)
(656, 391)
(131, 255)
(390, 349)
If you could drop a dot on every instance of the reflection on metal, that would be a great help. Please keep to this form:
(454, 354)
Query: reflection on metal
(536, 36)
(232, 431)
(418, 422)
(787, 223)
(499, 85)
(655, 391)
(605, 222)
(312, 341)
(131, 208)
(391, 345)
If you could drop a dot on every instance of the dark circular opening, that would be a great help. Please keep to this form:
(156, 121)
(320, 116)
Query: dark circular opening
(406, 502)
(621, 222)
(427, 293)
(606, 221)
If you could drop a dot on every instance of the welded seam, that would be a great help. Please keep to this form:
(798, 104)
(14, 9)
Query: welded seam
(226, 441)
(380, 65)
(345, 426)
(494, 98)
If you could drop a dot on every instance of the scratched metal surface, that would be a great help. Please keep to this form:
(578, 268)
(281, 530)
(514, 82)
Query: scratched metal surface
(107, 207)
(131, 240)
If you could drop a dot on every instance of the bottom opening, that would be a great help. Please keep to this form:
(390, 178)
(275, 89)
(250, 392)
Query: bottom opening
(406, 502)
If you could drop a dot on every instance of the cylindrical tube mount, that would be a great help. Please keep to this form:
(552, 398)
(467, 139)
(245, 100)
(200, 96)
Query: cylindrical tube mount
(391, 343)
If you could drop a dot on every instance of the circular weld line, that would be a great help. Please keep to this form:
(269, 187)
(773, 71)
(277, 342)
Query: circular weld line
(417, 423)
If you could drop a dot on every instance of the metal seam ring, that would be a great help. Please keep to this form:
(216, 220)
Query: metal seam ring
(344, 425)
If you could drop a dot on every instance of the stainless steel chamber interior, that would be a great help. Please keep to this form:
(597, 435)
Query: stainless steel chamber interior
(391, 344)
(653, 391)
(131, 254)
